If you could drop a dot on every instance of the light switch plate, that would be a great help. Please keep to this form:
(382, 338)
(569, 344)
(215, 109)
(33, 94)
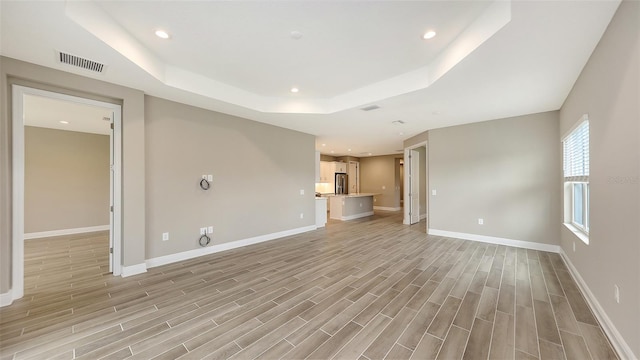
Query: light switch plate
(209, 177)
(434, 192)
(165, 236)
(301, 191)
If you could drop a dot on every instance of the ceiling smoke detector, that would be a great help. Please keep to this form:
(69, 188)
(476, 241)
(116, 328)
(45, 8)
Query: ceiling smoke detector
(83, 63)
(398, 122)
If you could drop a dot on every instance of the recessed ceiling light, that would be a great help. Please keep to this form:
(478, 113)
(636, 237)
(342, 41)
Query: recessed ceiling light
(63, 122)
(429, 35)
(294, 90)
(324, 144)
(332, 151)
(401, 133)
(370, 154)
(162, 34)
(296, 35)
(348, 149)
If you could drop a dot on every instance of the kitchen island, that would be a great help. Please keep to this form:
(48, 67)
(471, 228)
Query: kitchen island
(350, 206)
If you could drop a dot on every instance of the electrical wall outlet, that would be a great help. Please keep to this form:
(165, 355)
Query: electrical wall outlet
(203, 231)
(434, 192)
(165, 236)
(209, 177)
(210, 230)
(204, 177)
(301, 191)
(480, 221)
(301, 215)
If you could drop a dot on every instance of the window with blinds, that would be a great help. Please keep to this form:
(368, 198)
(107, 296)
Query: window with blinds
(576, 178)
(576, 154)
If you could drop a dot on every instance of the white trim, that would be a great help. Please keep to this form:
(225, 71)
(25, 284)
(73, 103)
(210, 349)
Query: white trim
(497, 240)
(43, 234)
(387, 208)
(406, 218)
(17, 254)
(134, 269)
(17, 236)
(6, 299)
(577, 232)
(423, 216)
(621, 346)
(186, 255)
(356, 216)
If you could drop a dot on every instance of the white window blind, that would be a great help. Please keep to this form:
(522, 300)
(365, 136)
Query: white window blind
(576, 154)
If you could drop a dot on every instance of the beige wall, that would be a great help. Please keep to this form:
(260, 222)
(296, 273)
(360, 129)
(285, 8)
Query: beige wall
(417, 139)
(607, 90)
(379, 171)
(504, 171)
(257, 177)
(66, 180)
(324, 157)
(133, 176)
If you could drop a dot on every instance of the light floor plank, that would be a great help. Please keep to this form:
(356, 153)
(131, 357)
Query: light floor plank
(370, 288)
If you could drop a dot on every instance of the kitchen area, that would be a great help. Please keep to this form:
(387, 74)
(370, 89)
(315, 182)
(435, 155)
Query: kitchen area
(338, 195)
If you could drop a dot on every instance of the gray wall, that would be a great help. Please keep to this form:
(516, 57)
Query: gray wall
(257, 177)
(133, 177)
(66, 183)
(505, 171)
(608, 91)
(379, 171)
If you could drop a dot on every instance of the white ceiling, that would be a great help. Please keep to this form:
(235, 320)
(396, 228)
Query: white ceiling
(66, 115)
(489, 60)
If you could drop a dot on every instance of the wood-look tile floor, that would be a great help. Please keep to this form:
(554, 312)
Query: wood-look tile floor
(365, 289)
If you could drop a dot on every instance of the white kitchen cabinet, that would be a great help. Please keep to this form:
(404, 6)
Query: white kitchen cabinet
(326, 171)
(340, 167)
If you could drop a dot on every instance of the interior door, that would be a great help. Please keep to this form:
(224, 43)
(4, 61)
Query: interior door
(414, 180)
(111, 194)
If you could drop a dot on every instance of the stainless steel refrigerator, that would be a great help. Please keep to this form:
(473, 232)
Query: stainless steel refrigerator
(342, 183)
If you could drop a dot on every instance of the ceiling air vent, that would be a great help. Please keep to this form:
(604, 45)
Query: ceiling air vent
(80, 62)
(370, 107)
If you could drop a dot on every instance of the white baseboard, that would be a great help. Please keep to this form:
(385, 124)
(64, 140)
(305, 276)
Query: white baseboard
(186, 255)
(6, 298)
(43, 234)
(386, 208)
(610, 330)
(497, 240)
(133, 270)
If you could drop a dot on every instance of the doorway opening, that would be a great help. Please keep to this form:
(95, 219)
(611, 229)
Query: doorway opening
(39, 117)
(416, 179)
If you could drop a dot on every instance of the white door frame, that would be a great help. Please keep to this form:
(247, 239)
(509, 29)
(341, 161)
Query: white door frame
(17, 256)
(407, 181)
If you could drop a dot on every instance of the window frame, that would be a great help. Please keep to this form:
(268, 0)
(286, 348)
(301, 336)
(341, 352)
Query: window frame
(584, 227)
(571, 180)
